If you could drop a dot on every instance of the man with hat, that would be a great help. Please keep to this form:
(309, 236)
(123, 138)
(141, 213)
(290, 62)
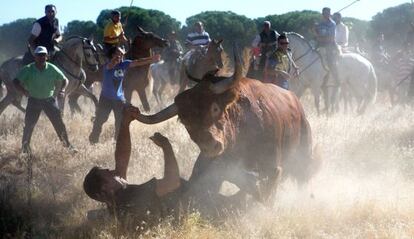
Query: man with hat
(112, 95)
(38, 82)
(113, 32)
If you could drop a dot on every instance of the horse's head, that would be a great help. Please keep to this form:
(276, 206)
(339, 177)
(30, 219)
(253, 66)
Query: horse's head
(144, 41)
(90, 54)
(204, 59)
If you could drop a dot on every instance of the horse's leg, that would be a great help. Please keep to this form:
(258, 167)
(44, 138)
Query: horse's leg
(143, 98)
(6, 101)
(82, 90)
(73, 103)
(17, 102)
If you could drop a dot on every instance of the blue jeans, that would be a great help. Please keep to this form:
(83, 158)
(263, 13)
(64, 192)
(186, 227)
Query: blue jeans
(105, 106)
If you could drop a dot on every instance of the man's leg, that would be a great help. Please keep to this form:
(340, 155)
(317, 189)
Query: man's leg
(30, 119)
(102, 113)
(53, 113)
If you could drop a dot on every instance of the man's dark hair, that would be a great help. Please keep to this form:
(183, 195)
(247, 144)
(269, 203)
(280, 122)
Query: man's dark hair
(326, 9)
(49, 6)
(282, 37)
(115, 13)
(92, 183)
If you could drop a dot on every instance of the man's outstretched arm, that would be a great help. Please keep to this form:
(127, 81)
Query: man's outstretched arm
(123, 142)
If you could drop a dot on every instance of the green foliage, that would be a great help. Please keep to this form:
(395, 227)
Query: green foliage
(228, 26)
(358, 29)
(14, 36)
(81, 28)
(150, 20)
(302, 22)
(394, 22)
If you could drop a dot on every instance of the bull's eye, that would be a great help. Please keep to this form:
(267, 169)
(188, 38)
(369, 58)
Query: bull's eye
(215, 110)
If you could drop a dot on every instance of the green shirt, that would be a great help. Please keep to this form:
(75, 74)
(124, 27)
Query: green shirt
(40, 83)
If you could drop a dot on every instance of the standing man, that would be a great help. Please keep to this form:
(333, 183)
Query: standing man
(37, 81)
(199, 37)
(45, 32)
(268, 44)
(114, 33)
(280, 63)
(341, 31)
(112, 95)
(325, 35)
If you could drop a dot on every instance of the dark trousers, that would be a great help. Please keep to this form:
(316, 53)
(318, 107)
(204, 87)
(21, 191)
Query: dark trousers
(105, 106)
(33, 110)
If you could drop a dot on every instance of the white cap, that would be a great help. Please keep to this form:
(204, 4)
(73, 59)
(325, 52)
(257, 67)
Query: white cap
(40, 50)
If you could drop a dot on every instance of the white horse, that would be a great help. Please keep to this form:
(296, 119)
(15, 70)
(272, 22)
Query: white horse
(356, 75)
(76, 53)
(160, 73)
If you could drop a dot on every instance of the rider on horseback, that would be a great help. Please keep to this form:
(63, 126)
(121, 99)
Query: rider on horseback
(172, 54)
(114, 33)
(325, 33)
(268, 44)
(45, 32)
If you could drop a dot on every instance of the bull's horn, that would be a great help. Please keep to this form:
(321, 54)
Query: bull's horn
(229, 82)
(161, 116)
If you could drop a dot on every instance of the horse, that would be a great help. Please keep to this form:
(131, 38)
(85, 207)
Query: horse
(137, 78)
(160, 73)
(74, 54)
(199, 61)
(356, 75)
(91, 77)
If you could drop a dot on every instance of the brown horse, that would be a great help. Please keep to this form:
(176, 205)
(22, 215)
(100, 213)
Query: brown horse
(137, 78)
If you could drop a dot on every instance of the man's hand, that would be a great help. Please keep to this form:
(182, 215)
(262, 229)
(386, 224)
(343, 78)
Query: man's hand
(130, 113)
(160, 140)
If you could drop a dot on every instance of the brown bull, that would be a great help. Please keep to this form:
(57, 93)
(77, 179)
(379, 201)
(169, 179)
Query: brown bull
(242, 125)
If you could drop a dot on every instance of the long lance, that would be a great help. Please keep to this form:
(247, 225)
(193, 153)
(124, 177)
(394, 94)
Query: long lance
(129, 11)
(352, 3)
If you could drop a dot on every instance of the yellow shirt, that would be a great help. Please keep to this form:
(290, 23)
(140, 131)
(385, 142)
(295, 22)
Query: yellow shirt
(282, 62)
(113, 30)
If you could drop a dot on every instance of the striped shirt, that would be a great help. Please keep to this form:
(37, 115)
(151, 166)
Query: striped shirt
(405, 68)
(198, 39)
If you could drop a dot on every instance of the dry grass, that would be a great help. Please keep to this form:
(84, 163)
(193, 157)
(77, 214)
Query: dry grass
(363, 191)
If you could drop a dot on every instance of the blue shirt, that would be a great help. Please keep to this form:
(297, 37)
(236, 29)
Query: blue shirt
(327, 28)
(113, 78)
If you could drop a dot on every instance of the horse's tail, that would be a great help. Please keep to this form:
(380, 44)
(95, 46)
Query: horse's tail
(372, 85)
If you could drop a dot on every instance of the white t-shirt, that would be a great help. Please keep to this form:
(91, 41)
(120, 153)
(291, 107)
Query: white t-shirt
(341, 34)
(36, 29)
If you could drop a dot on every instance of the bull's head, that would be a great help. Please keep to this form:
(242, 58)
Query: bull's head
(205, 112)
(144, 41)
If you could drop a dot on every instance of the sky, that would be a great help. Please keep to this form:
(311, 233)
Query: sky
(68, 10)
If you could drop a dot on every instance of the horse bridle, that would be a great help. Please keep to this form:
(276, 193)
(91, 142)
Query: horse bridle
(91, 46)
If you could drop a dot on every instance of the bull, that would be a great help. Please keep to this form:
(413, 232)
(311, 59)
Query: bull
(248, 132)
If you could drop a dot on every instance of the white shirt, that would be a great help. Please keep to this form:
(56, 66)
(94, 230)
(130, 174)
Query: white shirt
(198, 39)
(36, 29)
(341, 34)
